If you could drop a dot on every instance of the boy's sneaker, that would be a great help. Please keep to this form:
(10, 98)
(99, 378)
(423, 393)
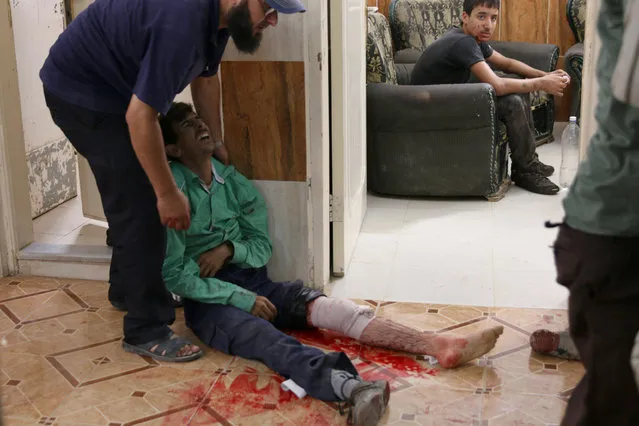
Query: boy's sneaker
(543, 169)
(368, 403)
(534, 182)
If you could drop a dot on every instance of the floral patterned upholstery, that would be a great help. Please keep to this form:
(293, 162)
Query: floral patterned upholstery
(539, 98)
(415, 24)
(576, 14)
(380, 67)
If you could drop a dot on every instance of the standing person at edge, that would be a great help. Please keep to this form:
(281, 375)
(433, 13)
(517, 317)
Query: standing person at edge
(597, 247)
(117, 66)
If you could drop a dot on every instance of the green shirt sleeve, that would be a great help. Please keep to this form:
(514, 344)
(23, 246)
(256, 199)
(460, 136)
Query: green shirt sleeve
(182, 277)
(254, 249)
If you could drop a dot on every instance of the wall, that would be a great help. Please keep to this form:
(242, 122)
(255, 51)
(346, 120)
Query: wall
(15, 227)
(540, 21)
(50, 158)
(535, 21)
(264, 115)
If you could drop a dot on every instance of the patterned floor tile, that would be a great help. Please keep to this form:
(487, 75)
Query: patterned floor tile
(530, 320)
(517, 373)
(428, 404)
(416, 315)
(16, 404)
(90, 416)
(62, 364)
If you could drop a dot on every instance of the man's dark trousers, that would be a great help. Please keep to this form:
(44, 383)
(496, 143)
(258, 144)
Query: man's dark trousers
(233, 331)
(602, 275)
(130, 206)
(514, 111)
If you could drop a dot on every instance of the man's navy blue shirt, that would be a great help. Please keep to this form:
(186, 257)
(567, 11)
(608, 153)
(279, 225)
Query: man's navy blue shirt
(150, 48)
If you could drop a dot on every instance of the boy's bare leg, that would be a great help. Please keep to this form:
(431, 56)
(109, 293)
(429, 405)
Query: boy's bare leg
(359, 323)
(450, 351)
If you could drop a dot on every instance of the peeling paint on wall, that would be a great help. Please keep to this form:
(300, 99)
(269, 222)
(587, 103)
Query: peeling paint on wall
(52, 176)
(50, 158)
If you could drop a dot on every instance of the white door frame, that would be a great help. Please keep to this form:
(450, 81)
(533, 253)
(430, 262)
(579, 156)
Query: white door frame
(348, 129)
(590, 86)
(16, 226)
(317, 146)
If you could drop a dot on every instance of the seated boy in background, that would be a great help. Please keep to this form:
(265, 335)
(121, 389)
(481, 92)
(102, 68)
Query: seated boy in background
(218, 266)
(452, 59)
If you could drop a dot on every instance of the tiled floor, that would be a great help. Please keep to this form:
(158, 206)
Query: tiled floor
(66, 225)
(62, 364)
(460, 251)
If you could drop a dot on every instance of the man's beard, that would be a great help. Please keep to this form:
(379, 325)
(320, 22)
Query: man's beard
(241, 28)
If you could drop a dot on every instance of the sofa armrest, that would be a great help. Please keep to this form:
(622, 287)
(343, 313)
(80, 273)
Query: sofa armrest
(576, 50)
(433, 140)
(540, 56)
(394, 108)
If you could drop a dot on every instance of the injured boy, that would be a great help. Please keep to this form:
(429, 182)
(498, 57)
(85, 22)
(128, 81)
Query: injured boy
(218, 266)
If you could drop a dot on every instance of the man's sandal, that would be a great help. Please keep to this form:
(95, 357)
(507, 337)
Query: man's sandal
(166, 350)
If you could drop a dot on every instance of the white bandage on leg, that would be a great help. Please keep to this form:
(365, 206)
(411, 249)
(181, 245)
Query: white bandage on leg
(342, 316)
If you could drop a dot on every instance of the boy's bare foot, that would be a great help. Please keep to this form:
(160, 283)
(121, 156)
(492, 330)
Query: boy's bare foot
(453, 351)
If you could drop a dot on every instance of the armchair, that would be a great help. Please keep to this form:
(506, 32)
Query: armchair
(442, 140)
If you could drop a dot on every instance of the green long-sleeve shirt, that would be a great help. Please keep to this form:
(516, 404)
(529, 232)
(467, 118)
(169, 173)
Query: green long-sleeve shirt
(231, 210)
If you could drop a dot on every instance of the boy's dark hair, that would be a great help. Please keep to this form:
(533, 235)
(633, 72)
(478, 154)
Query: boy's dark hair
(178, 112)
(469, 5)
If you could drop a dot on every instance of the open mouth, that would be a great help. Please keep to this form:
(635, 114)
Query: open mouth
(204, 136)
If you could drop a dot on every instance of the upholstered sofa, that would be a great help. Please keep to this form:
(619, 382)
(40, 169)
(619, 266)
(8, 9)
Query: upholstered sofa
(439, 140)
(415, 24)
(574, 57)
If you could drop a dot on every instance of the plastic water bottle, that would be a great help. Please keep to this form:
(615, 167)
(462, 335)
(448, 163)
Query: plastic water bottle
(569, 153)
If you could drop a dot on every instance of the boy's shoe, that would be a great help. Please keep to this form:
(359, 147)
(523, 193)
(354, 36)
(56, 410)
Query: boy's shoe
(368, 403)
(534, 182)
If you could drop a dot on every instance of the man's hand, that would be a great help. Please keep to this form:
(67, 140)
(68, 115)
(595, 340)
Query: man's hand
(554, 84)
(174, 210)
(222, 154)
(146, 139)
(263, 308)
(213, 260)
